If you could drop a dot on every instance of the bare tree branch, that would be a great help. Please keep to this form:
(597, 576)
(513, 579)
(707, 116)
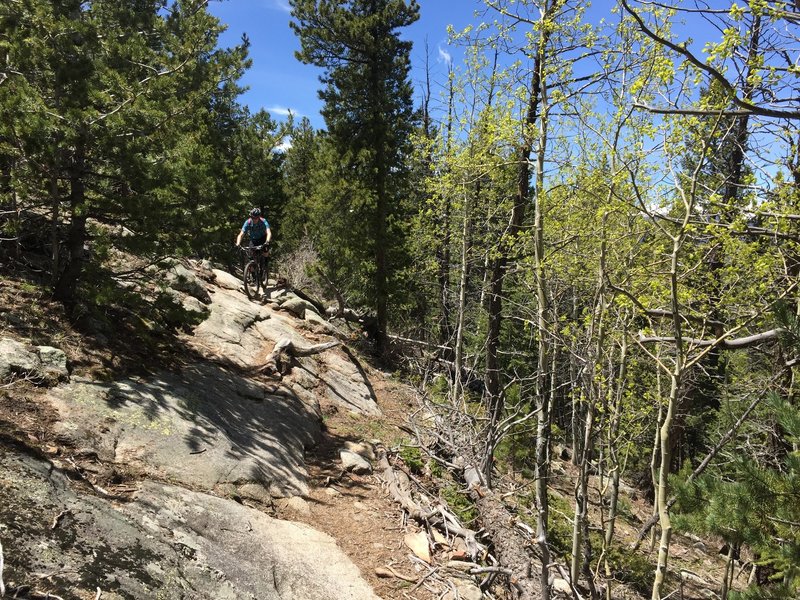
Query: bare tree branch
(730, 344)
(745, 106)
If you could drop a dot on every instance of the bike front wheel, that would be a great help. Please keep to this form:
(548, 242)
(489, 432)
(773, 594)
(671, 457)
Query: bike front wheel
(251, 279)
(265, 274)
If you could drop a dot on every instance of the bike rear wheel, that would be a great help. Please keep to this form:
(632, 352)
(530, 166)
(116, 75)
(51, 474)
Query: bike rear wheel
(251, 279)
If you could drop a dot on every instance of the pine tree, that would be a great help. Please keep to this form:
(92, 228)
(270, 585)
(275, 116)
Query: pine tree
(107, 111)
(368, 111)
(298, 183)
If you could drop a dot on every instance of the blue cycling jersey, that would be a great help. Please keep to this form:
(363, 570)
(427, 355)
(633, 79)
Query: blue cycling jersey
(256, 228)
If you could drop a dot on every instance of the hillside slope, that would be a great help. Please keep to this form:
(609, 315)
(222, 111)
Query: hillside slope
(159, 470)
(139, 463)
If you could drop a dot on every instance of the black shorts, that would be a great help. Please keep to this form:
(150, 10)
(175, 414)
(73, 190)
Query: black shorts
(258, 241)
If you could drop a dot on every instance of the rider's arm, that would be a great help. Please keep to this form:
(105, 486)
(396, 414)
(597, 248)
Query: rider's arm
(269, 234)
(244, 229)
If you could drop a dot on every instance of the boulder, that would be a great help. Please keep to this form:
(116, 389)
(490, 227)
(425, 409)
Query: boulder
(16, 359)
(53, 362)
(296, 306)
(225, 280)
(166, 542)
(232, 329)
(465, 590)
(346, 384)
(562, 452)
(364, 449)
(193, 305)
(205, 428)
(354, 462)
(182, 279)
(320, 324)
(561, 586)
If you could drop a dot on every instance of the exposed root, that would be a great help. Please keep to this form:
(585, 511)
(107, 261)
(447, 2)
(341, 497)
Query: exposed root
(279, 361)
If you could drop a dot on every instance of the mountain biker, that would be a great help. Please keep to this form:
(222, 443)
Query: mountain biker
(258, 229)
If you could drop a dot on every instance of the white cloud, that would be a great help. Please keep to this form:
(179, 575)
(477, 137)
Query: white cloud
(282, 5)
(444, 56)
(280, 111)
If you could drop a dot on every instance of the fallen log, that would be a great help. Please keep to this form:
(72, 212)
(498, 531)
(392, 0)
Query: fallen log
(279, 360)
(511, 547)
(437, 516)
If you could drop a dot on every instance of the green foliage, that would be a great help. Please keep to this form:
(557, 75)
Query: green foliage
(632, 568)
(439, 389)
(359, 211)
(412, 458)
(126, 114)
(774, 592)
(459, 503)
(559, 532)
(753, 504)
(299, 181)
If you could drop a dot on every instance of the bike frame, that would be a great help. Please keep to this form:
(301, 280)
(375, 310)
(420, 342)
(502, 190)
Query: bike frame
(256, 258)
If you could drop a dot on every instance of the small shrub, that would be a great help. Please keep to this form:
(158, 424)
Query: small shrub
(412, 458)
(559, 533)
(625, 509)
(297, 265)
(438, 389)
(459, 503)
(560, 525)
(632, 568)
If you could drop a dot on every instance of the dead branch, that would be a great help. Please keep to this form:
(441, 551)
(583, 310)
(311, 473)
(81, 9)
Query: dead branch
(482, 570)
(513, 549)
(742, 342)
(336, 292)
(82, 476)
(388, 571)
(279, 361)
(400, 489)
(58, 518)
(566, 578)
(422, 343)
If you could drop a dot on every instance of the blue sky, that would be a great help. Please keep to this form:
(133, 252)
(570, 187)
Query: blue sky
(278, 82)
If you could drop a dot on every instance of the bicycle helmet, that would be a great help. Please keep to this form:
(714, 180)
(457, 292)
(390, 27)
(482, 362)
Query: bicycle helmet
(255, 213)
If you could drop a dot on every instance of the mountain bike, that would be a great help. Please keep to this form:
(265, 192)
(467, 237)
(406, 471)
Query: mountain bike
(256, 270)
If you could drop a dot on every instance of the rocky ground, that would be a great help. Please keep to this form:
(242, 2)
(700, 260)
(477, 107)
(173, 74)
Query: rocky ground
(139, 463)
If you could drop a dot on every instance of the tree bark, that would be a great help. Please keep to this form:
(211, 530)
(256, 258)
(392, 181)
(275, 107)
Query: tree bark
(499, 265)
(510, 547)
(67, 283)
